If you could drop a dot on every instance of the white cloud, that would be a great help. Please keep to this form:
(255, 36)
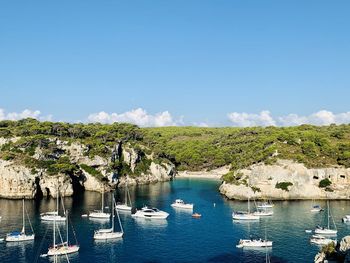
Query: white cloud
(22, 115)
(243, 119)
(136, 116)
(264, 118)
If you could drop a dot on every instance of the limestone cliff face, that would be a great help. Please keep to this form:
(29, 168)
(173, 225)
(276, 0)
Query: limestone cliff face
(305, 182)
(18, 181)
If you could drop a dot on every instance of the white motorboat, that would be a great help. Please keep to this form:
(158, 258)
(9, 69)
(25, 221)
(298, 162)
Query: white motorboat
(263, 212)
(254, 243)
(321, 240)
(179, 203)
(109, 233)
(151, 213)
(327, 230)
(346, 218)
(52, 216)
(100, 214)
(316, 208)
(64, 247)
(17, 236)
(125, 207)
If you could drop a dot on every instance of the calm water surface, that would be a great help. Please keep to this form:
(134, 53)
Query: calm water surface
(180, 238)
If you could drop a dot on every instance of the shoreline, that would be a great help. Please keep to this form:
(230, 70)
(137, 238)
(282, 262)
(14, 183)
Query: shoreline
(212, 174)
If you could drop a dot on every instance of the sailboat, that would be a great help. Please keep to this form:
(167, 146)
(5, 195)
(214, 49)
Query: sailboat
(125, 206)
(245, 215)
(21, 236)
(100, 214)
(327, 230)
(54, 215)
(109, 233)
(64, 247)
(265, 204)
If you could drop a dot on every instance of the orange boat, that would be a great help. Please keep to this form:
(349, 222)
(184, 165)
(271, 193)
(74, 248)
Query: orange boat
(196, 215)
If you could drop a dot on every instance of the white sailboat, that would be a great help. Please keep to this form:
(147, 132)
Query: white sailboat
(21, 236)
(245, 215)
(54, 215)
(100, 214)
(125, 206)
(265, 204)
(64, 247)
(109, 233)
(327, 230)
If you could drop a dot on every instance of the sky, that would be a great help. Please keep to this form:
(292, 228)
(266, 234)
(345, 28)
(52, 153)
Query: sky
(183, 62)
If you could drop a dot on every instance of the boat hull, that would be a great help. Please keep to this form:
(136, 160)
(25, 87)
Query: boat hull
(182, 206)
(64, 250)
(325, 231)
(244, 216)
(19, 238)
(123, 208)
(254, 243)
(104, 236)
(99, 215)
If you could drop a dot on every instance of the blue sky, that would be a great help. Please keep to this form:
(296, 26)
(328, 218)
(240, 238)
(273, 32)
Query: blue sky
(187, 62)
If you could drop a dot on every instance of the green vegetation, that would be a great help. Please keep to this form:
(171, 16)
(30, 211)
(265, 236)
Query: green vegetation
(324, 183)
(189, 148)
(92, 171)
(283, 185)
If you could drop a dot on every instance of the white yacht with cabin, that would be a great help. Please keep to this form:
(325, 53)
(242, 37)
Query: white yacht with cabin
(150, 213)
(179, 203)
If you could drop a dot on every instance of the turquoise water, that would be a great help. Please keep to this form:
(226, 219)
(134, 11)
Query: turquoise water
(180, 238)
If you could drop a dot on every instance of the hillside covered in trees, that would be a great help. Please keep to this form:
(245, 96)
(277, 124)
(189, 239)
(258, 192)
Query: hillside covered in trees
(189, 148)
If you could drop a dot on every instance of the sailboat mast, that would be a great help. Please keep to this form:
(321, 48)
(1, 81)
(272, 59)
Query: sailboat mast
(126, 196)
(67, 225)
(102, 201)
(248, 205)
(24, 221)
(113, 214)
(328, 213)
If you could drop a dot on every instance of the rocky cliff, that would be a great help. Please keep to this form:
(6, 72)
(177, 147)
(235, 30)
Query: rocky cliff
(73, 169)
(288, 180)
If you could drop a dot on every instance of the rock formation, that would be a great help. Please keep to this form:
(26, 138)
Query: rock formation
(260, 181)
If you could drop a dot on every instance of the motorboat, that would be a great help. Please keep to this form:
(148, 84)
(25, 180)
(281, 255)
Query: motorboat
(17, 236)
(316, 208)
(346, 218)
(196, 215)
(125, 206)
(179, 203)
(254, 243)
(52, 216)
(100, 214)
(327, 230)
(109, 233)
(151, 213)
(321, 240)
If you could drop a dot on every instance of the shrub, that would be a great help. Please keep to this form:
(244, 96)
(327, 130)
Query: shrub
(324, 183)
(283, 185)
(92, 171)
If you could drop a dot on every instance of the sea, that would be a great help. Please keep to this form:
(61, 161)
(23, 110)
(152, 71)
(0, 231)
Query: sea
(180, 238)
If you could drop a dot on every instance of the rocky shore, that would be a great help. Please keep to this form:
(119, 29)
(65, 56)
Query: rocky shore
(288, 180)
(19, 181)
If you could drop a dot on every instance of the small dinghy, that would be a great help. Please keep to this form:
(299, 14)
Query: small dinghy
(196, 215)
